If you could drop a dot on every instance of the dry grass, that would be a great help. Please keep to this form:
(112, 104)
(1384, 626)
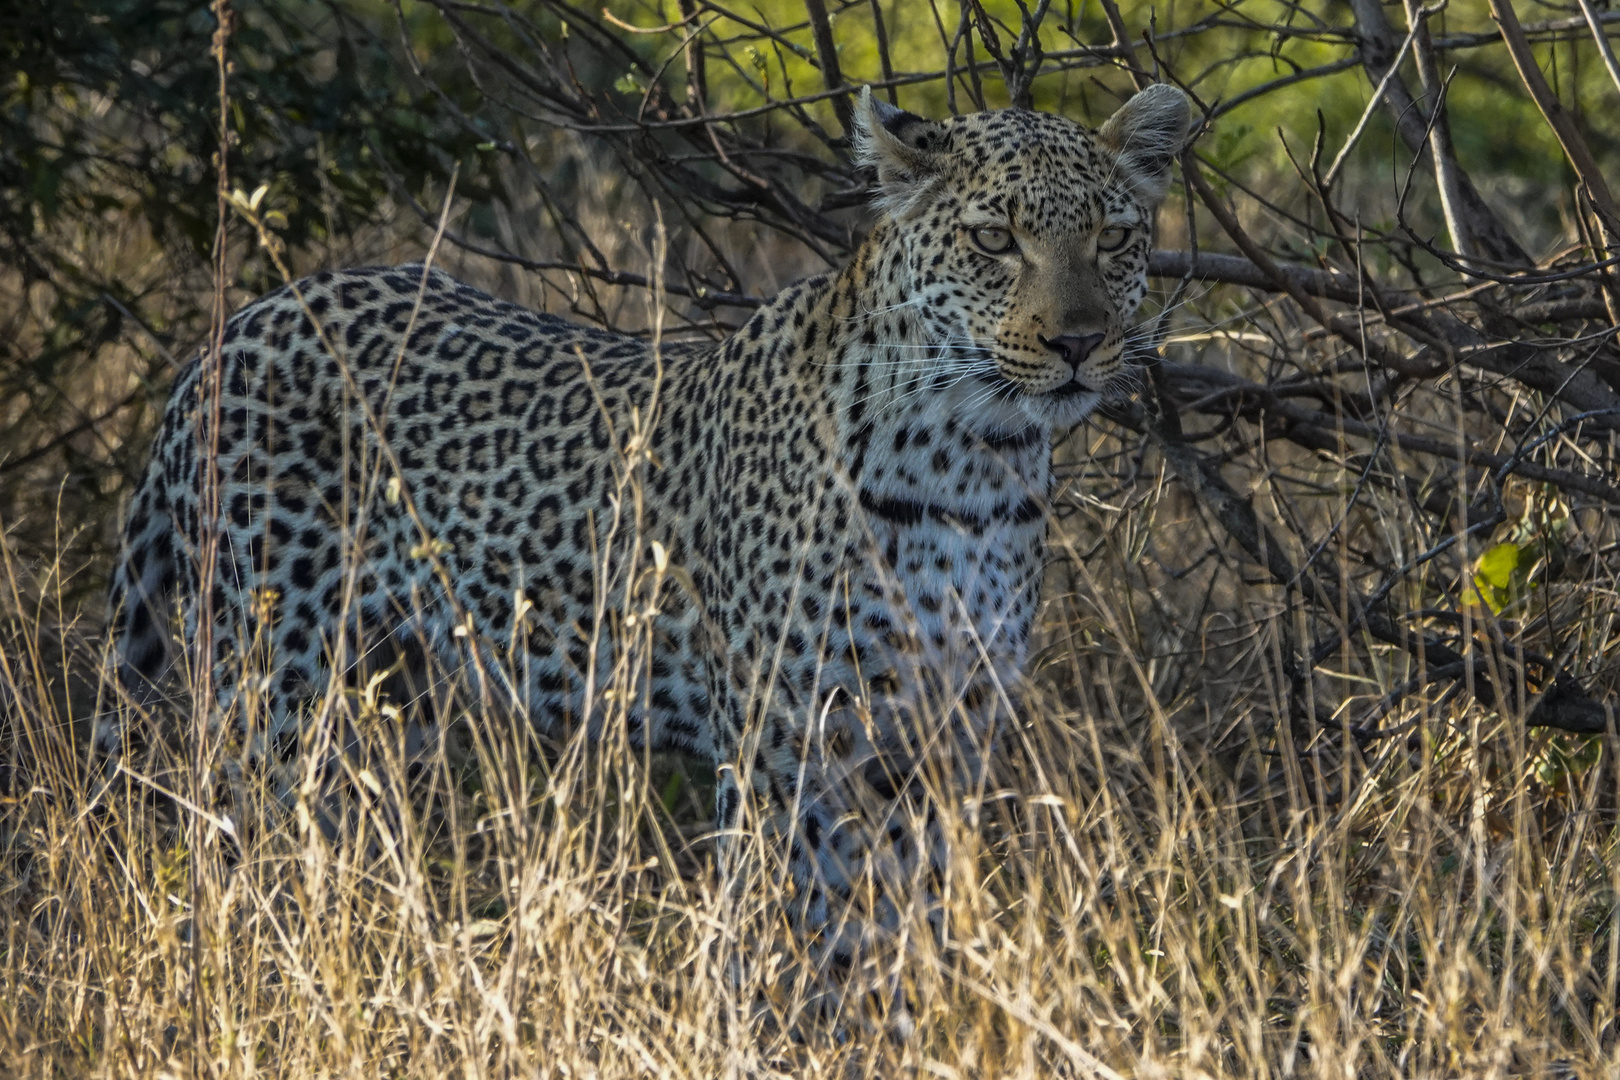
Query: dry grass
(1167, 881)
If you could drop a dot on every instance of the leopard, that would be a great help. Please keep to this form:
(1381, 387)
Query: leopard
(846, 501)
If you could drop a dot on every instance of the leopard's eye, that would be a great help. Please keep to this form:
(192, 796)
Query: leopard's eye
(994, 241)
(1113, 238)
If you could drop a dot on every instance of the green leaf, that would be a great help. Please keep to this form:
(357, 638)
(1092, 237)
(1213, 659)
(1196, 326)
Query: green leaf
(672, 791)
(1502, 575)
(1565, 758)
(1497, 566)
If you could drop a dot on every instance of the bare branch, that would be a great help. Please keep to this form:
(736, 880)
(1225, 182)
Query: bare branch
(1378, 54)
(827, 51)
(1558, 118)
(1601, 37)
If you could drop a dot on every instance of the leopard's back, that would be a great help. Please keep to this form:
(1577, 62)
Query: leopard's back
(397, 454)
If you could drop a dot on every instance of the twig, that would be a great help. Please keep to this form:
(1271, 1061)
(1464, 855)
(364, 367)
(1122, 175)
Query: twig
(1257, 399)
(1573, 711)
(1122, 43)
(1447, 173)
(1366, 114)
(1549, 30)
(1558, 118)
(881, 31)
(1593, 20)
(827, 50)
(1333, 67)
(1376, 48)
(1345, 328)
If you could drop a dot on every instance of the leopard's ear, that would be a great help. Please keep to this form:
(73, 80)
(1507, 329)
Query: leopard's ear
(903, 148)
(1146, 133)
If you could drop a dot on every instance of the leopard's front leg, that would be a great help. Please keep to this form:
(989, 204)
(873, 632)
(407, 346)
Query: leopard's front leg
(850, 814)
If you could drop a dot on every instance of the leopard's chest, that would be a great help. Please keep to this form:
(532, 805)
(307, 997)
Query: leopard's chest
(954, 547)
(962, 586)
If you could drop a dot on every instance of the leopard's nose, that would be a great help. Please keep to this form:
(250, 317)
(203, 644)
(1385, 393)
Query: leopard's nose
(1074, 348)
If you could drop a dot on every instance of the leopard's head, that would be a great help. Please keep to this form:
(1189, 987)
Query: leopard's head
(1019, 241)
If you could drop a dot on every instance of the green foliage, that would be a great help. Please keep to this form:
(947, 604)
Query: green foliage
(114, 103)
(1566, 759)
(1502, 575)
(1530, 551)
(109, 126)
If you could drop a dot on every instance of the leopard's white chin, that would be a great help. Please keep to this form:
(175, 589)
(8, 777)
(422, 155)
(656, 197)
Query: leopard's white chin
(1062, 410)
(1058, 408)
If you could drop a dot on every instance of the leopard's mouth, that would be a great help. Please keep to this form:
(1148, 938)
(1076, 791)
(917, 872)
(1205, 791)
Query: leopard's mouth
(1071, 388)
(1007, 388)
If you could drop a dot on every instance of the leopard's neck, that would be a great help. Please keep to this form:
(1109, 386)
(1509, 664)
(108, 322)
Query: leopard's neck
(923, 429)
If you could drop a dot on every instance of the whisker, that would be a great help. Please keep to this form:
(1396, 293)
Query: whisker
(915, 301)
(927, 383)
